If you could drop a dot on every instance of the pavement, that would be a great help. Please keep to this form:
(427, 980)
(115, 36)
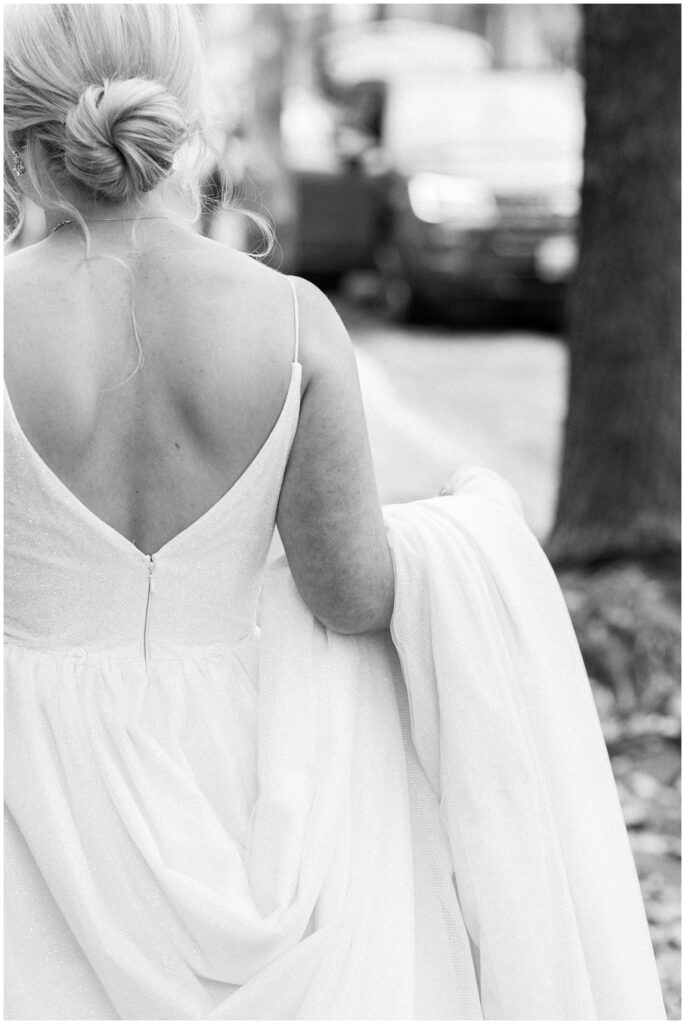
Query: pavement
(437, 397)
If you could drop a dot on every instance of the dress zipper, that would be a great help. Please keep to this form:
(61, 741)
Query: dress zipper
(150, 591)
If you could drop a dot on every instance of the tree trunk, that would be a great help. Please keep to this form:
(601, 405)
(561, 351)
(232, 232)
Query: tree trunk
(620, 478)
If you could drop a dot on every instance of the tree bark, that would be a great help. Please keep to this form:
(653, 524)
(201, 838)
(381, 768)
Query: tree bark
(619, 493)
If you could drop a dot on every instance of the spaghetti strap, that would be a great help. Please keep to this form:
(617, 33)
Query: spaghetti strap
(296, 315)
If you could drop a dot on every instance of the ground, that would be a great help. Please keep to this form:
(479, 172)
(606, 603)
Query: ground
(627, 619)
(438, 397)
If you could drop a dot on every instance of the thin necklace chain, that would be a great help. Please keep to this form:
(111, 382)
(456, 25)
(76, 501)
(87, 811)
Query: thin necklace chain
(107, 220)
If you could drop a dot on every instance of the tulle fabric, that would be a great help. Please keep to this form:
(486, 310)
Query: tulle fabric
(217, 850)
(239, 837)
(505, 726)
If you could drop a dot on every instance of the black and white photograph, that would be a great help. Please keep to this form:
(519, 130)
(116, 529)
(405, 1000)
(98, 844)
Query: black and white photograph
(342, 511)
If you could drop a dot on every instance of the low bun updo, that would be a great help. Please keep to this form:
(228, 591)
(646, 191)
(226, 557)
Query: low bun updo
(107, 95)
(121, 137)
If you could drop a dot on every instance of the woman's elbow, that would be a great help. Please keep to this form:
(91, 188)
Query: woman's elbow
(365, 622)
(368, 611)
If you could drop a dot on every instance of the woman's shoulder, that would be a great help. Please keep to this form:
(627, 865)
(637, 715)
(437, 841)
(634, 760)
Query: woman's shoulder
(20, 266)
(324, 343)
(265, 295)
(26, 279)
(257, 280)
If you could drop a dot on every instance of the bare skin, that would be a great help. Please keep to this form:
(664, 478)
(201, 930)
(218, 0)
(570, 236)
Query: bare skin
(151, 456)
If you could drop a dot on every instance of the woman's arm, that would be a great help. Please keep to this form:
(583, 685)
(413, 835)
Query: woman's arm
(329, 514)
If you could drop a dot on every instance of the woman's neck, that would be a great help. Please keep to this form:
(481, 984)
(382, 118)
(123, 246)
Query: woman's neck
(93, 213)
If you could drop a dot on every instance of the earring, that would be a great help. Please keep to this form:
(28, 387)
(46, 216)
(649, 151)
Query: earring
(19, 165)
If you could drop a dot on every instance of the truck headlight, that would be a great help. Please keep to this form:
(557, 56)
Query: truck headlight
(565, 202)
(443, 198)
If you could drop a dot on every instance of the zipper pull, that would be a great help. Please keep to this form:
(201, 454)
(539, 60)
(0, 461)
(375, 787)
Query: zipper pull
(151, 569)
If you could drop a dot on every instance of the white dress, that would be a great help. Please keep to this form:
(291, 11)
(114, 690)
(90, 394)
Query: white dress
(182, 842)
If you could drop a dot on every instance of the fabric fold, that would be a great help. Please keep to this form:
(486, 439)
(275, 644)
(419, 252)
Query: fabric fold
(505, 726)
(419, 823)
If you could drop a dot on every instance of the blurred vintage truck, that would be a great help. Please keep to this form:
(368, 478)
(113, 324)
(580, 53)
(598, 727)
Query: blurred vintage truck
(457, 182)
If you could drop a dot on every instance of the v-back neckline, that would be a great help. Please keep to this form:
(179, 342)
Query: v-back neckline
(72, 500)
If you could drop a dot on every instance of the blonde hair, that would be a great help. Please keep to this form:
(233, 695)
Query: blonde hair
(113, 93)
(121, 138)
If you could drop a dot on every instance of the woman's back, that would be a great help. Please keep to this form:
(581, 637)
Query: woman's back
(105, 487)
(149, 448)
(150, 454)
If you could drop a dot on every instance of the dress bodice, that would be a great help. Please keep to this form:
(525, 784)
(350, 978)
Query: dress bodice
(72, 581)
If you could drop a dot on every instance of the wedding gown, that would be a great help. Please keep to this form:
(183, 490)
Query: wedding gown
(183, 839)
(207, 819)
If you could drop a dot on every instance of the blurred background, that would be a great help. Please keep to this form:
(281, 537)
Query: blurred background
(490, 195)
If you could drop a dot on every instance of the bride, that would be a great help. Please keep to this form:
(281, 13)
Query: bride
(207, 818)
